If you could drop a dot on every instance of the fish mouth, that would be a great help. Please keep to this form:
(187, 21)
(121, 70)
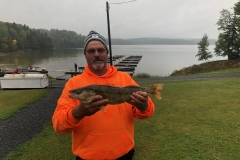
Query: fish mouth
(72, 95)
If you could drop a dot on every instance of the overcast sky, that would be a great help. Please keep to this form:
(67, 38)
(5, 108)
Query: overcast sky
(139, 18)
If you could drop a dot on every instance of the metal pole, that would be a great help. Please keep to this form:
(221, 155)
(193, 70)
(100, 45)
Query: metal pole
(109, 35)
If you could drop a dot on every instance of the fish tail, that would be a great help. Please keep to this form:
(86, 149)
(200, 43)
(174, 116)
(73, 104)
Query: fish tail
(155, 90)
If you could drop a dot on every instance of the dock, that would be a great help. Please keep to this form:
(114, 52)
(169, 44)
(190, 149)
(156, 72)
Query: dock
(121, 62)
(126, 63)
(73, 73)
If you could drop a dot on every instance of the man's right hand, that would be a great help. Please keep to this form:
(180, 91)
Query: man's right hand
(88, 109)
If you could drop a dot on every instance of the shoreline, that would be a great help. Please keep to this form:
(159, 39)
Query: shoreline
(7, 53)
(3, 54)
(11, 66)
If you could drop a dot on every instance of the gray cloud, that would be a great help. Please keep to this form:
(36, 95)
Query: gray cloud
(141, 18)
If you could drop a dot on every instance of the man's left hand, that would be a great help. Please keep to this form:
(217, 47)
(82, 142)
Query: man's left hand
(140, 100)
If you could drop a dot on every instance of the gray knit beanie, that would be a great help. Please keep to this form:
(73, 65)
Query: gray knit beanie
(94, 36)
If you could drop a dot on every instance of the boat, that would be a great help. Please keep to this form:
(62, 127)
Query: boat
(21, 81)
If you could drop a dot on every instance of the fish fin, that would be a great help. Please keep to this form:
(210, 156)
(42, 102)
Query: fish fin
(157, 94)
(88, 100)
(156, 88)
(76, 96)
(132, 86)
(103, 108)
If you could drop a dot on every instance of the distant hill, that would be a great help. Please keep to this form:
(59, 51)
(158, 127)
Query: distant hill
(158, 41)
(14, 37)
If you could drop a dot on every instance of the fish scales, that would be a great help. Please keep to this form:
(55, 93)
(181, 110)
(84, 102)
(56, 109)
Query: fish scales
(115, 95)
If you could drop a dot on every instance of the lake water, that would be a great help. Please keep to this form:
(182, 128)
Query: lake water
(160, 60)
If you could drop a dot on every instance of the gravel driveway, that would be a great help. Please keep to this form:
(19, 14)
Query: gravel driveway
(30, 121)
(27, 123)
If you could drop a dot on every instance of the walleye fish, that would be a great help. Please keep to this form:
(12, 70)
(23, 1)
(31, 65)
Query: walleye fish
(115, 95)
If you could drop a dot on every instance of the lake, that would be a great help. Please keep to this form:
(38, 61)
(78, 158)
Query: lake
(159, 60)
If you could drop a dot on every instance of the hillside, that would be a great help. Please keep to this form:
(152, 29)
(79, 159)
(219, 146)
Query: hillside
(208, 67)
(15, 37)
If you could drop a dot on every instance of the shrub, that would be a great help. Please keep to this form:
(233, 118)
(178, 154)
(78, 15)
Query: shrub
(142, 75)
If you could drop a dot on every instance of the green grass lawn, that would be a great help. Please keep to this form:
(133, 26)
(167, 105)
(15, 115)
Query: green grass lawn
(193, 120)
(14, 100)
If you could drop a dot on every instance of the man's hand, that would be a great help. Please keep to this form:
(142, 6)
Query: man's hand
(88, 109)
(140, 100)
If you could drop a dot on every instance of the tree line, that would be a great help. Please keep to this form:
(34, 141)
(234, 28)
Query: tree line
(14, 37)
(64, 38)
(228, 43)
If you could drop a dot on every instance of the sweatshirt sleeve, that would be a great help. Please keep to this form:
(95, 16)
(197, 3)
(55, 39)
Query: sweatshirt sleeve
(137, 113)
(146, 114)
(62, 119)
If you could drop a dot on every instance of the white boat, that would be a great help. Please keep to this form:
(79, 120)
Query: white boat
(11, 81)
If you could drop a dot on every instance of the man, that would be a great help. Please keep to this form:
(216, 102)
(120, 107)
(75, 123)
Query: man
(97, 134)
(15, 70)
(75, 66)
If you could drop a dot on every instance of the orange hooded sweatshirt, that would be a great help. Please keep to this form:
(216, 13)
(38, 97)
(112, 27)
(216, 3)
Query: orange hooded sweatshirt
(104, 135)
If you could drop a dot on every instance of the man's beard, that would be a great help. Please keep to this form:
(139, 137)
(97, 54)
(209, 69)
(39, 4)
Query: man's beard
(98, 65)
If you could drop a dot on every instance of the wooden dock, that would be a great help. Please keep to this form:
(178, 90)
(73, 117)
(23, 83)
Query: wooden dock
(128, 64)
(116, 59)
(121, 62)
(73, 73)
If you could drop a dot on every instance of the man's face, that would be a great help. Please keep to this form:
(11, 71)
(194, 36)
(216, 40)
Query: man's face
(96, 56)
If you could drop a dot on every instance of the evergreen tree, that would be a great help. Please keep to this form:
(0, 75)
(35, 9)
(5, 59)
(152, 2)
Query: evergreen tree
(228, 43)
(3, 37)
(237, 8)
(64, 38)
(203, 52)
